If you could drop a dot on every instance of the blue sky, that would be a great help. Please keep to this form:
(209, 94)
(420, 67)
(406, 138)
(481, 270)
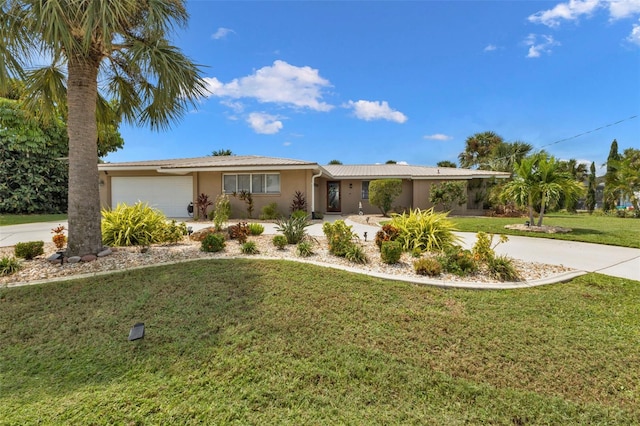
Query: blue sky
(367, 82)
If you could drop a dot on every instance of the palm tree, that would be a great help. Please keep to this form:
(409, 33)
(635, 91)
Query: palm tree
(125, 43)
(539, 179)
(579, 173)
(506, 154)
(478, 149)
(522, 188)
(626, 180)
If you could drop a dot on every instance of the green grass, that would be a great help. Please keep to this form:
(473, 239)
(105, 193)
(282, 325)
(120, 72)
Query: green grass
(17, 219)
(276, 342)
(586, 228)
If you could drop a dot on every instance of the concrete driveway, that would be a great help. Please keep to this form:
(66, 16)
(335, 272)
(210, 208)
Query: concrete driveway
(609, 260)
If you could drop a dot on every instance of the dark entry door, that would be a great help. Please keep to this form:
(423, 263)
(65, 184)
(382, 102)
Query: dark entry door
(333, 196)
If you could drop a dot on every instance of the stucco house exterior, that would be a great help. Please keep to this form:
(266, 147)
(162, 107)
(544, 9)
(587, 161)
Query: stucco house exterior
(171, 185)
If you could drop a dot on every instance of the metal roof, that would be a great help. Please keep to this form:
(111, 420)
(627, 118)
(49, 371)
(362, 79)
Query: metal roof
(406, 171)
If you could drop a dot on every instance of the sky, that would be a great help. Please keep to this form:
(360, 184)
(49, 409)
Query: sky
(364, 82)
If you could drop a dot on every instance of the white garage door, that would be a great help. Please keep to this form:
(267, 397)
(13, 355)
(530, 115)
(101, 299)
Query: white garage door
(169, 194)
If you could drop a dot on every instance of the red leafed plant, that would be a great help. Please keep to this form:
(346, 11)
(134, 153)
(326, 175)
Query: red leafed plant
(59, 239)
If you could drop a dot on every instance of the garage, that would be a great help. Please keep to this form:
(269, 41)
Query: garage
(169, 194)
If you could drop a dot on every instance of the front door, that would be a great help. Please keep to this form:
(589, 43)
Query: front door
(333, 196)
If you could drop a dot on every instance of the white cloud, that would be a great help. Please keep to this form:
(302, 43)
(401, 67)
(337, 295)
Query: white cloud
(490, 48)
(539, 44)
(286, 143)
(634, 37)
(265, 124)
(619, 9)
(375, 110)
(438, 137)
(570, 11)
(221, 33)
(281, 83)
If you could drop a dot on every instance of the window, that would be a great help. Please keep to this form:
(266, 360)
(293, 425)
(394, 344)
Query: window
(365, 189)
(259, 183)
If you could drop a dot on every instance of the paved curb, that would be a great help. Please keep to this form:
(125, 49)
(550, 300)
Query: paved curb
(555, 279)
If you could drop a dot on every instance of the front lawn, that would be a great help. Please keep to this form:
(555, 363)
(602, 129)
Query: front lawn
(277, 342)
(17, 219)
(586, 228)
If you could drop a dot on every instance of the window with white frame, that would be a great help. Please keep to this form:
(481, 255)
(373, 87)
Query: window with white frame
(255, 183)
(365, 189)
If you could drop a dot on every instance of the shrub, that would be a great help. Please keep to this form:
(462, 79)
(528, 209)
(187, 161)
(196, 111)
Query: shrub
(213, 243)
(270, 212)
(390, 252)
(382, 192)
(299, 213)
(483, 250)
(458, 261)
(256, 229)
(428, 266)
(387, 233)
(137, 225)
(280, 241)
(29, 250)
(9, 266)
(249, 247)
(340, 237)
(294, 228)
(449, 193)
(424, 230)
(203, 204)
(305, 249)
(299, 202)
(174, 232)
(59, 239)
(222, 211)
(501, 268)
(247, 197)
(240, 232)
(355, 253)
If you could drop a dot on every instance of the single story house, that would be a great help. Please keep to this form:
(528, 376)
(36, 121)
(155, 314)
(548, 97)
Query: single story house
(171, 185)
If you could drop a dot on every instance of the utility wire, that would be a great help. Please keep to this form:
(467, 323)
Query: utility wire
(495, 160)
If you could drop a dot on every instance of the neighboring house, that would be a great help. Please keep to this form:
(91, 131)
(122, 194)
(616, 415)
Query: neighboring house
(171, 185)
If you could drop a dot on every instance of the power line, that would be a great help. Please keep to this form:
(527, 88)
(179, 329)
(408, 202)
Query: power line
(590, 131)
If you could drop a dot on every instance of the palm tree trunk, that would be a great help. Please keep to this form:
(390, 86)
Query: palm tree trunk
(543, 201)
(85, 236)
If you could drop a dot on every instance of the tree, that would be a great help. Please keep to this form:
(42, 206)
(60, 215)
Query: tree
(33, 174)
(478, 149)
(125, 42)
(391, 162)
(579, 173)
(447, 193)
(335, 162)
(591, 189)
(539, 180)
(221, 152)
(506, 154)
(382, 192)
(610, 200)
(446, 163)
(626, 181)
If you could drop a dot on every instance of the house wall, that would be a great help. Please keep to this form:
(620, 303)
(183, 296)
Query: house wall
(422, 194)
(291, 181)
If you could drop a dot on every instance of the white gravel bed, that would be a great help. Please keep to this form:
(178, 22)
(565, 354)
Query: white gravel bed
(40, 269)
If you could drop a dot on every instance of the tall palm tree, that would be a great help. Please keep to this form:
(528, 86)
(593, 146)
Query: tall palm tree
(125, 42)
(506, 154)
(478, 149)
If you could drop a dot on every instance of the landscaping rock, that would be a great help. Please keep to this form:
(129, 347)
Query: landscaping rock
(106, 252)
(74, 259)
(88, 258)
(202, 233)
(542, 229)
(54, 258)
